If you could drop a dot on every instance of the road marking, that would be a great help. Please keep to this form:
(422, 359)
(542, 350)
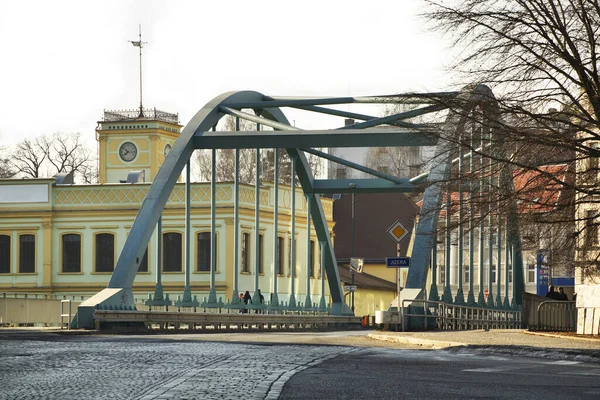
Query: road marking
(496, 369)
(589, 372)
(562, 362)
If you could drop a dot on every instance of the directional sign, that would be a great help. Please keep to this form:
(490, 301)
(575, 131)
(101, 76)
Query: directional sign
(398, 231)
(349, 288)
(397, 262)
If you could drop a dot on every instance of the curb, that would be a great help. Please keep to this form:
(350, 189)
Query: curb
(436, 344)
(558, 335)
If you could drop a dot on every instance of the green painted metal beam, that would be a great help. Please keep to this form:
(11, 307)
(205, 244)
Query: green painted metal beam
(396, 117)
(356, 166)
(291, 101)
(376, 137)
(363, 186)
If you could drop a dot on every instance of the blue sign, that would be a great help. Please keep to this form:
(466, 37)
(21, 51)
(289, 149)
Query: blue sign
(543, 273)
(397, 262)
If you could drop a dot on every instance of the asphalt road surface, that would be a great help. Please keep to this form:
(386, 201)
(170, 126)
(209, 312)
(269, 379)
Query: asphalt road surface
(289, 366)
(443, 374)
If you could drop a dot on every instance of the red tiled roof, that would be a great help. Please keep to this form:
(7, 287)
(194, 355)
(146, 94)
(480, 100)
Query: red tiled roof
(543, 190)
(539, 191)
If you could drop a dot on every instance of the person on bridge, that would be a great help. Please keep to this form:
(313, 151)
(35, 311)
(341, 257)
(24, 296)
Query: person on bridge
(552, 294)
(562, 295)
(247, 299)
(261, 299)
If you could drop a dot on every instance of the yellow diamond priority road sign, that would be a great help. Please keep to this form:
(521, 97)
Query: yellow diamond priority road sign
(398, 231)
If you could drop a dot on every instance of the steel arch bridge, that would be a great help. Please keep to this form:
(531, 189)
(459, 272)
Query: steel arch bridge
(475, 105)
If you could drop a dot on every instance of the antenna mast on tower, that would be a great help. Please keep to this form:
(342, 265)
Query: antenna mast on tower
(140, 44)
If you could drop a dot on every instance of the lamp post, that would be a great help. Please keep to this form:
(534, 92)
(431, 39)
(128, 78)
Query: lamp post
(352, 250)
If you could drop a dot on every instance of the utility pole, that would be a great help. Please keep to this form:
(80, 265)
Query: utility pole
(140, 44)
(351, 269)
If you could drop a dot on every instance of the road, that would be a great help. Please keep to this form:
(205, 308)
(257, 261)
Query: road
(443, 374)
(333, 365)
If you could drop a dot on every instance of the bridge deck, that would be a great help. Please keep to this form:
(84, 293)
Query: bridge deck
(105, 319)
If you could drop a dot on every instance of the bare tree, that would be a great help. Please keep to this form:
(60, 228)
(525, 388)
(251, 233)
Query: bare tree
(225, 160)
(45, 156)
(540, 57)
(6, 171)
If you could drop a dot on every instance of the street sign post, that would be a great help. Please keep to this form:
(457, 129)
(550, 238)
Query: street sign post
(397, 262)
(350, 288)
(398, 232)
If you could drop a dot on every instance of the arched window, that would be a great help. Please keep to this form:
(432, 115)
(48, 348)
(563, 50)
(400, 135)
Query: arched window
(203, 257)
(4, 254)
(292, 263)
(261, 253)
(26, 254)
(105, 252)
(172, 252)
(246, 252)
(71, 253)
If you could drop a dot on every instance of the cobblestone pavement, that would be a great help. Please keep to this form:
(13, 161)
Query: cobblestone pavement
(151, 369)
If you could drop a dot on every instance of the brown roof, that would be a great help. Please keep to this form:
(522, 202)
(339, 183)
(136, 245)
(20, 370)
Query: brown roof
(541, 190)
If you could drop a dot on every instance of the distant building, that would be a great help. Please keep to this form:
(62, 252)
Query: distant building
(57, 237)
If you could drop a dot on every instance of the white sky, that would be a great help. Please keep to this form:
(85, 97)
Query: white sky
(64, 62)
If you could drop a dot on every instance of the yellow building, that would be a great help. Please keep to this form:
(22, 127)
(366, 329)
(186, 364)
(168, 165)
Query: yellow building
(62, 238)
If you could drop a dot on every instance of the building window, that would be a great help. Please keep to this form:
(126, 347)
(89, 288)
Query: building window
(4, 254)
(260, 254)
(311, 261)
(280, 255)
(493, 273)
(341, 173)
(510, 274)
(442, 274)
(246, 252)
(591, 228)
(172, 251)
(466, 272)
(105, 252)
(71, 253)
(203, 262)
(291, 263)
(26, 254)
(143, 267)
(531, 272)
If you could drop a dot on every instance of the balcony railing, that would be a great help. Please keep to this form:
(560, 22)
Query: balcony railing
(147, 114)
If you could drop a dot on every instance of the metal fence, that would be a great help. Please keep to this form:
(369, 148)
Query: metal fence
(555, 316)
(425, 314)
(543, 314)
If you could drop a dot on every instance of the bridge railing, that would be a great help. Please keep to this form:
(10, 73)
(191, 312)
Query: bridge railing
(555, 315)
(457, 317)
(219, 322)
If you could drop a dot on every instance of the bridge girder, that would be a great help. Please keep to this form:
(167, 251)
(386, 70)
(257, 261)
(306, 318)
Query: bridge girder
(199, 133)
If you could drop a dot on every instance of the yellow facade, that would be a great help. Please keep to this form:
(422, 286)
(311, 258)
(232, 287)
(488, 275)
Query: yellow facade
(92, 210)
(66, 239)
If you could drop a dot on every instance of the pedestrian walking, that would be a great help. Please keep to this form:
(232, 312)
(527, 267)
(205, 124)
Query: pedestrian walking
(247, 300)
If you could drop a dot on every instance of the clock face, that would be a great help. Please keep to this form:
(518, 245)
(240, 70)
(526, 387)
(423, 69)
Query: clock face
(167, 149)
(127, 151)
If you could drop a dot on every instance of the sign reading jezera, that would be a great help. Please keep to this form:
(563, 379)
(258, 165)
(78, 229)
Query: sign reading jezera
(397, 262)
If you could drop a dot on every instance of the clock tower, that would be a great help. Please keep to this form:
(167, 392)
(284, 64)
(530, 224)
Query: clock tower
(134, 140)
